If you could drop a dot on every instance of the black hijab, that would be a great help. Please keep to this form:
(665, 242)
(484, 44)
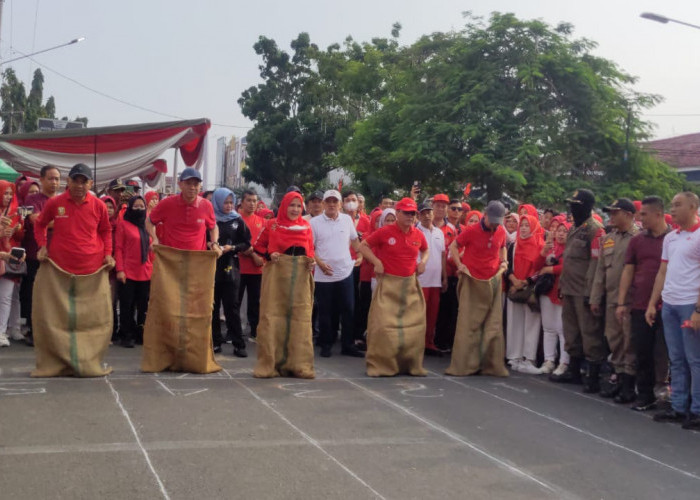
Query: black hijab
(138, 219)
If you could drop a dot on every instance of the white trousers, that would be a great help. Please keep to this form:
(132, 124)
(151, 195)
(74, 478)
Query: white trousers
(9, 306)
(523, 331)
(553, 331)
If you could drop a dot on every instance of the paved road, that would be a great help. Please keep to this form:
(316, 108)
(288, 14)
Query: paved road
(342, 436)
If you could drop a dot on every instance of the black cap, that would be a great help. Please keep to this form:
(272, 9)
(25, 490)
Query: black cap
(80, 169)
(316, 195)
(621, 204)
(116, 184)
(582, 197)
(424, 206)
(293, 189)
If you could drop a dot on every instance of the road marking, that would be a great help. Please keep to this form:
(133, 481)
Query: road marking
(316, 444)
(455, 437)
(304, 393)
(18, 391)
(512, 388)
(577, 429)
(180, 392)
(409, 389)
(138, 439)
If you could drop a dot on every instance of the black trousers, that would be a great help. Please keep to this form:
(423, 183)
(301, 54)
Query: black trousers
(251, 283)
(359, 333)
(362, 309)
(447, 315)
(644, 339)
(133, 305)
(333, 300)
(26, 289)
(227, 293)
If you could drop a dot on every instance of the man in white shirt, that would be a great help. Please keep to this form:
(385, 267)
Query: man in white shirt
(334, 234)
(677, 285)
(434, 280)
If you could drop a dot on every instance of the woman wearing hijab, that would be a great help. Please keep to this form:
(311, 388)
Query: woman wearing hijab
(11, 233)
(472, 217)
(523, 328)
(511, 223)
(284, 334)
(134, 266)
(550, 303)
(234, 237)
(113, 215)
(527, 209)
(30, 187)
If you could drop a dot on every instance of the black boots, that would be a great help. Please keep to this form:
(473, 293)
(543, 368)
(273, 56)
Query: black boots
(572, 375)
(627, 393)
(591, 381)
(611, 386)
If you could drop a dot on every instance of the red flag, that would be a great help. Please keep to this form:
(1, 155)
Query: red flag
(467, 190)
(340, 185)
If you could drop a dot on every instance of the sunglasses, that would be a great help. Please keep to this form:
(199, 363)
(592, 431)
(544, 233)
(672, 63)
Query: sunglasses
(456, 209)
(409, 214)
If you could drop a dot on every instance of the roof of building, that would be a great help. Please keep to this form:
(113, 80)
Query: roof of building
(680, 152)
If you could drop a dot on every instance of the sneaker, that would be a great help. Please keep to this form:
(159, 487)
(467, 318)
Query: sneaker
(692, 423)
(547, 367)
(4, 341)
(515, 364)
(528, 368)
(240, 352)
(217, 349)
(15, 334)
(561, 369)
(670, 415)
(645, 404)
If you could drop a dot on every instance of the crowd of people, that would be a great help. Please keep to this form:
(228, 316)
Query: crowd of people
(611, 303)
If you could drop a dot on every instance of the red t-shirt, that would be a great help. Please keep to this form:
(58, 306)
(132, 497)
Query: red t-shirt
(397, 250)
(255, 225)
(184, 225)
(362, 227)
(127, 253)
(82, 234)
(450, 233)
(482, 249)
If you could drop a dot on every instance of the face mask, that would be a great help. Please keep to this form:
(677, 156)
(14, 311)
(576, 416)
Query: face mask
(350, 206)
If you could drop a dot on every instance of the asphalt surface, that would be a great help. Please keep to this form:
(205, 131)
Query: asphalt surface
(342, 436)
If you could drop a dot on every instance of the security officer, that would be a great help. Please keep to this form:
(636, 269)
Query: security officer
(582, 329)
(604, 295)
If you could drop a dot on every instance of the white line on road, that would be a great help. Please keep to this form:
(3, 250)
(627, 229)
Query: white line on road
(454, 436)
(138, 439)
(310, 440)
(577, 429)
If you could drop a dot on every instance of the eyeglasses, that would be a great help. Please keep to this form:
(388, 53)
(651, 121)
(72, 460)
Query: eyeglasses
(456, 209)
(409, 214)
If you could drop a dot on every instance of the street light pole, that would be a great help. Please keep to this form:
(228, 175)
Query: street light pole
(665, 20)
(72, 42)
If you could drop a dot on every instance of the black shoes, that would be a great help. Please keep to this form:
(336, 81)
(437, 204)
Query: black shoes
(646, 403)
(325, 351)
(217, 349)
(128, 343)
(29, 339)
(572, 375)
(591, 381)
(611, 387)
(350, 351)
(240, 352)
(692, 423)
(670, 415)
(627, 392)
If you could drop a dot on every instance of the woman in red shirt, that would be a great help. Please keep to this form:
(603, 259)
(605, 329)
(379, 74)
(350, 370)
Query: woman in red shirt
(134, 265)
(550, 304)
(11, 233)
(523, 328)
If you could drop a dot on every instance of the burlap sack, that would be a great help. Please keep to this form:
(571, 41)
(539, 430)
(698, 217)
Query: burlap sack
(177, 333)
(479, 344)
(396, 328)
(72, 322)
(285, 346)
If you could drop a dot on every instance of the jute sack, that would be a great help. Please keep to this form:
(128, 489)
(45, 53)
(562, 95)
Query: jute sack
(72, 322)
(396, 328)
(177, 333)
(285, 345)
(479, 344)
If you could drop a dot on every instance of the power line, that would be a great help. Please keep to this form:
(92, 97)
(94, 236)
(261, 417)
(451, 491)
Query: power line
(678, 114)
(117, 99)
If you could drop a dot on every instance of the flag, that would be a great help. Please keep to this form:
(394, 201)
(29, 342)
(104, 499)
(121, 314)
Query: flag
(467, 190)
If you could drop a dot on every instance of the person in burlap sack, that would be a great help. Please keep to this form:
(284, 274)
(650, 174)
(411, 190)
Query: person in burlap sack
(478, 346)
(396, 322)
(285, 346)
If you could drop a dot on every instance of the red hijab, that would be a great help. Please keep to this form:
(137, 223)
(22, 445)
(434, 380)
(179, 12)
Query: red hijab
(286, 233)
(559, 247)
(373, 221)
(470, 214)
(528, 250)
(24, 190)
(150, 196)
(115, 216)
(529, 209)
(12, 209)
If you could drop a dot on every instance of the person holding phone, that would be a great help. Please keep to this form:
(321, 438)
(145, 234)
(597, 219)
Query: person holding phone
(11, 234)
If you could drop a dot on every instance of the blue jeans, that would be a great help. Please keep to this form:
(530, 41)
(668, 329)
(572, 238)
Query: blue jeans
(684, 355)
(336, 300)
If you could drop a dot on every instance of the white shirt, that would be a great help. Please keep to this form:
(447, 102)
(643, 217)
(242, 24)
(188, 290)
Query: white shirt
(332, 239)
(432, 277)
(681, 250)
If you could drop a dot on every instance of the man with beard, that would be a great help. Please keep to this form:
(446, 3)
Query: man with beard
(583, 331)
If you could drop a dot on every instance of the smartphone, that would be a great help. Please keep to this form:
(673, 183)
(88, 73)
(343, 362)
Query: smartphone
(416, 185)
(25, 211)
(17, 253)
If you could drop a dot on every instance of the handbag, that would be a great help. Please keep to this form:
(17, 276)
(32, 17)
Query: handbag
(544, 284)
(521, 295)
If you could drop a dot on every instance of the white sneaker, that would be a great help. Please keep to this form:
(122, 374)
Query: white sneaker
(528, 368)
(547, 367)
(4, 341)
(515, 364)
(561, 369)
(15, 334)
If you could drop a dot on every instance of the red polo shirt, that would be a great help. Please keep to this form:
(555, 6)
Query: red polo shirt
(185, 224)
(397, 250)
(255, 225)
(82, 234)
(482, 249)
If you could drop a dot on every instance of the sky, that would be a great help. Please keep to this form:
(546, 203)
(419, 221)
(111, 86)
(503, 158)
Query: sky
(192, 59)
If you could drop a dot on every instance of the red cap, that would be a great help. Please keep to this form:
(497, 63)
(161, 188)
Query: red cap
(441, 197)
(406, 205)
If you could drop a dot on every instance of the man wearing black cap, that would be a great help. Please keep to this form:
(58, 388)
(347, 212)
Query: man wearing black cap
(314, 205)
(81, 241)
(582, 329)
(116, 189)
(605, 294)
